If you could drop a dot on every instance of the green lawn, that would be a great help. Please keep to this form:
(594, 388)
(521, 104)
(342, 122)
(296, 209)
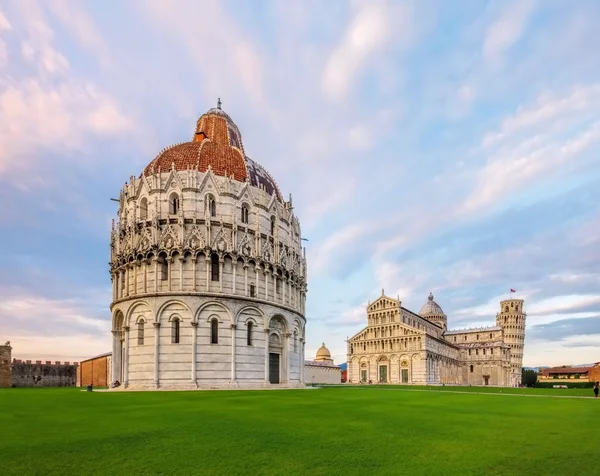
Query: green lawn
(349, 431)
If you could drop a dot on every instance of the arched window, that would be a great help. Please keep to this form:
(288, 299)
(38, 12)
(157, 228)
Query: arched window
(214, 331)
(492, 351)
(212, 206)
(244, 214)
(249, 333)
(278, 285)
(214, 267)
(491, 336)
(469, 351)
(140, 330)
(175, 331)
(272, 225)
(164, 268)
(174, 204)
(477, 336)
(296, 342)
(476, 351)
(471, 369)
(144, 209)
(252, 290)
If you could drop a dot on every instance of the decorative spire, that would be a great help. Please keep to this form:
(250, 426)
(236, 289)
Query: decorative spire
(430, 298)
(218, 103)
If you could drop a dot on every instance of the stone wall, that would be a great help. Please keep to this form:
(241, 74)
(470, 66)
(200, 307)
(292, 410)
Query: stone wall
(322, 374)
(29, 374)
(5, 367)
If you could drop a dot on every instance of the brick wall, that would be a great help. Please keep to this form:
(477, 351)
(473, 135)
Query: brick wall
(38, 374)
(5, 366)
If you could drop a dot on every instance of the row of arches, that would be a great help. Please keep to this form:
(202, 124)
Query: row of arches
(218, 346)
(210, 274)
(174, 204)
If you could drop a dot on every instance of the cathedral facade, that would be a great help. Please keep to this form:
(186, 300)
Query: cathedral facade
(402, 347)
(208, 272)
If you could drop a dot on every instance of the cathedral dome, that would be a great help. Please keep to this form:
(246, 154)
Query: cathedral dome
(323, 353)
(432, 311)
(431, 308)
(217, 144)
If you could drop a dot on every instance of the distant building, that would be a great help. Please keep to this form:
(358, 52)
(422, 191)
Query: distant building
(575, 374)
(322, 369)
(400, 346)
(95, 371)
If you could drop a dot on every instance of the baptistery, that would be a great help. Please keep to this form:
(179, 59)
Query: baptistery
(208, 270)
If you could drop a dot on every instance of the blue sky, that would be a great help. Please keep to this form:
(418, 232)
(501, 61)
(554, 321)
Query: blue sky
(450, 147)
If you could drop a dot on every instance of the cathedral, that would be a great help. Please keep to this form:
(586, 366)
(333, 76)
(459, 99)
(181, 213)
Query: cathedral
(208, 272)
(403, 347)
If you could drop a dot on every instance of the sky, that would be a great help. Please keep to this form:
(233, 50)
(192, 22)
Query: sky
(429, 146)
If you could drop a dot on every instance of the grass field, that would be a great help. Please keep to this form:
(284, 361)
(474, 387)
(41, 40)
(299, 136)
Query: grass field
(349, 431)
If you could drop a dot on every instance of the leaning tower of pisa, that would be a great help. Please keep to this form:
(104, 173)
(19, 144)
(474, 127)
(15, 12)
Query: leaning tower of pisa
(512, 320)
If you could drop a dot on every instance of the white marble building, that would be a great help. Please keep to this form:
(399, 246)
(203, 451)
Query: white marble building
(403, 347)
(322, 369)
(208, 271)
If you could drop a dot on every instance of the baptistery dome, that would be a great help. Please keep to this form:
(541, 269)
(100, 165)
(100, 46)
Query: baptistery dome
(208, 271)
(432, 311)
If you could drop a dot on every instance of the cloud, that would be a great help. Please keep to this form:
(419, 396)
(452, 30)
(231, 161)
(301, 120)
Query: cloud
(77, 21)
(77, 110)
(68, 328)
(536, 144)
(564, 328)
(370, 30)
(507, 29)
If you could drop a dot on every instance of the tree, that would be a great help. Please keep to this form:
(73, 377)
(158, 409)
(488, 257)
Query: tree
(528, 377)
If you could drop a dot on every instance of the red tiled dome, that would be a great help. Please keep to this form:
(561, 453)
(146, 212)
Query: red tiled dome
(217, 143)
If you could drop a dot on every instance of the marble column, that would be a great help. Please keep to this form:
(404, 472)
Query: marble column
(156, 350)
(287, 357)
(194, 340)
(233, 339)
(135, 275)
(126, 358)
(267, 355)
(207, 259)
(234, 264)
(181, 262)
(169, 272)
(155, 259)
(146, 264)
(194, 273)
(221, 267)
(266, 284)
(301, 363)
(115, 361)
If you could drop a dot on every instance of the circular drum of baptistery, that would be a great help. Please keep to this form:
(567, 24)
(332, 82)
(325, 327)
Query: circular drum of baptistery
(208, 271)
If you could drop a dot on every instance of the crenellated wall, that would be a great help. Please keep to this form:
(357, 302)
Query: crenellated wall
(48, 374)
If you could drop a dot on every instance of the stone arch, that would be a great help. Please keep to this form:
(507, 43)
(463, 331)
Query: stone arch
(118, 320)
(170, 302)
(278, 323)
(258, 318)
(134, 307)
(216, 305)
